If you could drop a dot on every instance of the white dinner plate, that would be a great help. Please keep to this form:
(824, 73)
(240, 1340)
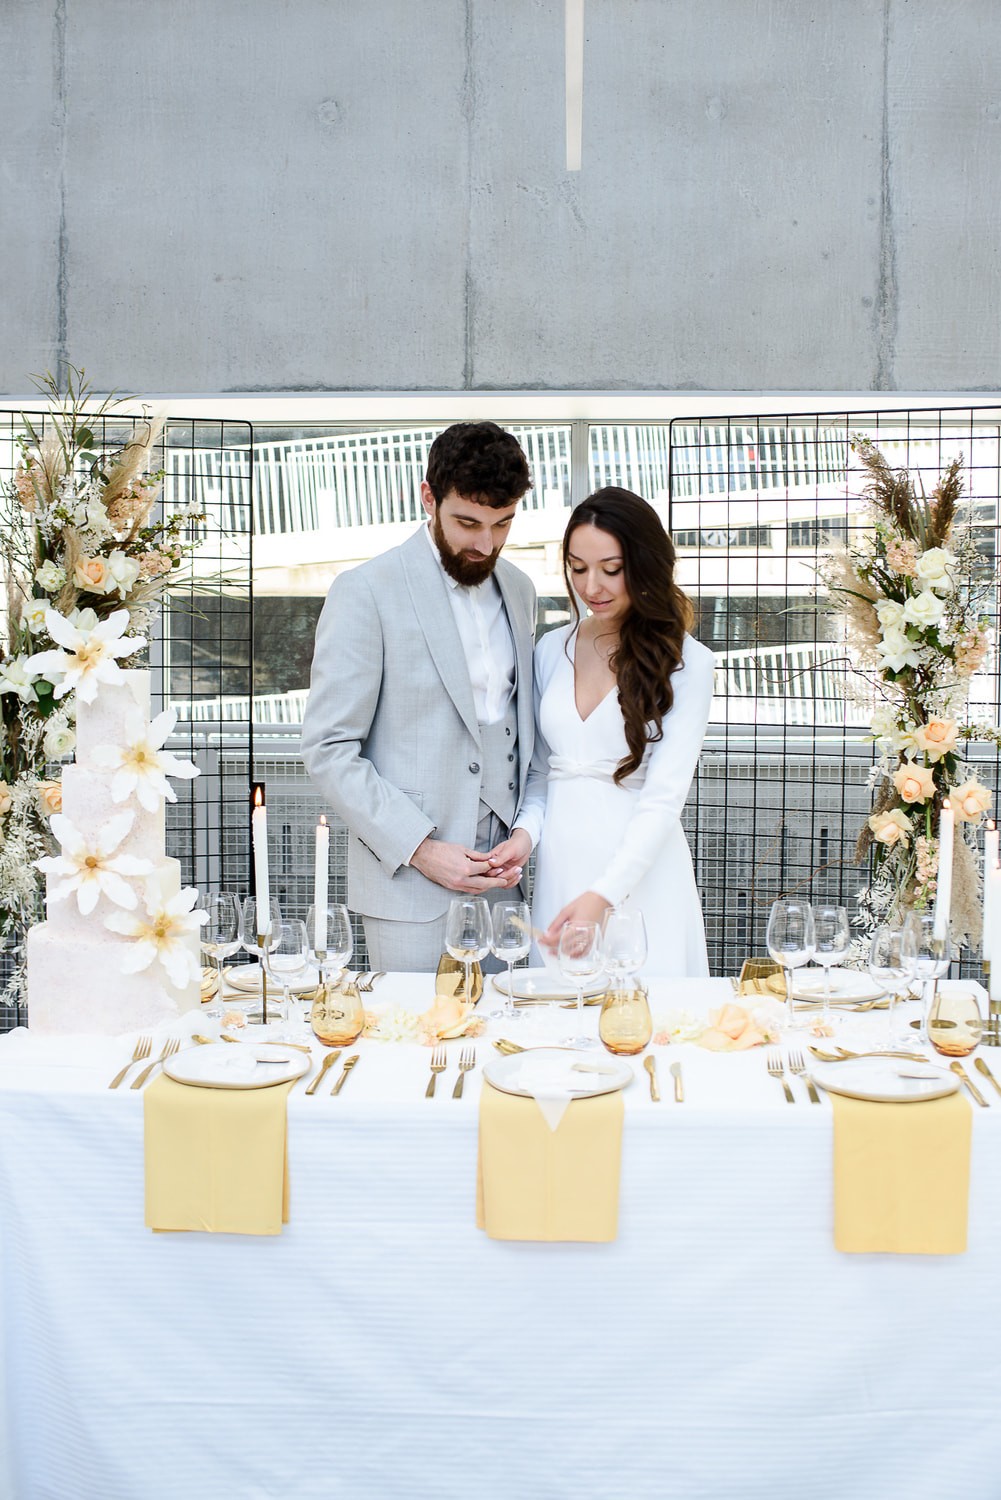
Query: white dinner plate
(219, 1065)
(887, 1080)
(246, 980)
(846, 985)
(545, 984)
(556, 1070)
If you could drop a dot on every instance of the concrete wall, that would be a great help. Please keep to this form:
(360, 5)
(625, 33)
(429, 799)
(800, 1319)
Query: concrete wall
(300, 195)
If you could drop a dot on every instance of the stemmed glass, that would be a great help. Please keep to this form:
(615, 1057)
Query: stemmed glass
(511, 939)
(789, 939)
(832, 938)
(580, 959)
(624, 943)
(256, 945)
(888, 970)
(926, 957)
(286, 957)
(331, 942)
(221, 936)
(467, 935)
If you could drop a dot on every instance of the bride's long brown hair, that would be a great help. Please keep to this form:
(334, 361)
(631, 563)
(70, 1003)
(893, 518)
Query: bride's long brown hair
(652, 632)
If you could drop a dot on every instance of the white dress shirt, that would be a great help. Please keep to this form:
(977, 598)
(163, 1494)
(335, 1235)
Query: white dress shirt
(482, 623)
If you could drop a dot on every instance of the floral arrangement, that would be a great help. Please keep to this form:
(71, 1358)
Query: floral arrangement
(448, 1017)
(907, 585)
(85, 558)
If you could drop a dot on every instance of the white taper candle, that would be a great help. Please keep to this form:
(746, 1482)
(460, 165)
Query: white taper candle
(320, 886)
(943, 884)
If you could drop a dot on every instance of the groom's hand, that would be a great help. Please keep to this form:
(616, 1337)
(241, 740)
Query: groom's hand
(455, 867)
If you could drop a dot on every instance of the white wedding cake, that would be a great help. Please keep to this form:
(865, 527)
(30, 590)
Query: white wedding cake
(119, 950)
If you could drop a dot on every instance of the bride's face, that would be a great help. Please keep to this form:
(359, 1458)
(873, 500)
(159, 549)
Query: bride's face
(595, 561)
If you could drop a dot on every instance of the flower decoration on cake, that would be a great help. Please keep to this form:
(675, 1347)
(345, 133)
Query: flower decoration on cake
(162, 933)
(139, 768)
(90, 868)
(912, 587)
(90, 653)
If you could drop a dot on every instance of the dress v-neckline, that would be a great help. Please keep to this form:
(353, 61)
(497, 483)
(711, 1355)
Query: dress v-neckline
(584, 718)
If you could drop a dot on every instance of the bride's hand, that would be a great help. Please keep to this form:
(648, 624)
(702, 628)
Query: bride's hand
(507, 860)
(590, 907)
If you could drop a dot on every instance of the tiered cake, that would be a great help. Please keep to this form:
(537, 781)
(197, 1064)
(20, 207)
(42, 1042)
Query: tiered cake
(76, 964)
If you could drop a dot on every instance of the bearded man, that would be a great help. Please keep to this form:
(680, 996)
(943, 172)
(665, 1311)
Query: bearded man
(418, 731)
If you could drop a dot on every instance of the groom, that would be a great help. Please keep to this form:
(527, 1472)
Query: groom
(418, 730)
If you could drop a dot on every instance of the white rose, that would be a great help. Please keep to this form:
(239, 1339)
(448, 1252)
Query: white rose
(924, 609)
(897, 652)
(34, 613)
(15, 677)
(890, 614)
(59, 740)
(124, 570)
(50, 576)
(934, 568)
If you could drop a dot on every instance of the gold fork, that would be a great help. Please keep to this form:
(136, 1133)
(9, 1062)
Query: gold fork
(467, 1060)
(142, 1047)
(798, 1067)
(437, 1066)
(371, 980)
(777, 1070)
(168, 1051)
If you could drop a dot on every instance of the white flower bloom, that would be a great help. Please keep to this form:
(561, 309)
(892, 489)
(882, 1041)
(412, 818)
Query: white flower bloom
(89, 654)
(33, 614)
(890, 614)
(124, 570)
(896, 652)
(90, 867)
(924, 609)
(59, 740)
(162, 935)
(141, 766)
(50, 576)
(17, 676)
(936, 568)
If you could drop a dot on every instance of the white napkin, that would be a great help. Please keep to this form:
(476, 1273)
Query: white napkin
(554, 1081)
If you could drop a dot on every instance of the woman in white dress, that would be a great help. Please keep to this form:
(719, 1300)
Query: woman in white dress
(622, 703)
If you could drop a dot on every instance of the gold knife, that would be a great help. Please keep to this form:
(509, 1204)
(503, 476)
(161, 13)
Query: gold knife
(679, 1088)
(961, 1072)
(344, 1073)
(982, 1067)
(650, 1063)
(330, 1058)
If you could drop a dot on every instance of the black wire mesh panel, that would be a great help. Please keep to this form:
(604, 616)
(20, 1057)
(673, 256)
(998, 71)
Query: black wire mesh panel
(783, 787)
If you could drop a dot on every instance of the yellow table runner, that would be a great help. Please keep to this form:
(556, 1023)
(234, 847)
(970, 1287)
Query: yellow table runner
(901, 1176)
(533, 1183)
(216, 1159)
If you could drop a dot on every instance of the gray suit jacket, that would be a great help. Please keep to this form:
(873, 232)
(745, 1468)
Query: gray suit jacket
(390, 735)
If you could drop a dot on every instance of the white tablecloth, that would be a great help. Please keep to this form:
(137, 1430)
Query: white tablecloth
(383, 1346)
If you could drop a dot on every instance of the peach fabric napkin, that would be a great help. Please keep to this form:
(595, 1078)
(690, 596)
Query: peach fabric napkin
(901, 1176)
(216, 1159)
(534, 1183)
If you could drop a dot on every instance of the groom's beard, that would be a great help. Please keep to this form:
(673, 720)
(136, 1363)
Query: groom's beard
(463, 569)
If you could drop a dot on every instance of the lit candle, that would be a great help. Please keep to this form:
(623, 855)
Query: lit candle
(990, 863)
(320, 886)
(943, 885)
(993, 874)
(262, 886)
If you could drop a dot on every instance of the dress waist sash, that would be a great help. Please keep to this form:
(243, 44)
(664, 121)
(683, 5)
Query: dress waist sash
(564, 768)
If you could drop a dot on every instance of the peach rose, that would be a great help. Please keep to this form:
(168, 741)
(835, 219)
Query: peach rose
(914, 783)
(93, 575)
(5, 798)
(890, 827)
(50, 797)
(970, 801)
(152, 564)
(731, 1029)
(936, 738)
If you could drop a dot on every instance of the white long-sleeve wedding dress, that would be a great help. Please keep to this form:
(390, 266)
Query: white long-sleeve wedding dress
(625, 842)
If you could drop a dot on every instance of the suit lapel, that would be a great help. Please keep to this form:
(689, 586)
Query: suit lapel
(429, 596)
(523, 635)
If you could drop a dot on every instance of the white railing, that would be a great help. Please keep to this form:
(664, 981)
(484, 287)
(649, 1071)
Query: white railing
(268, 708)
(784, 685)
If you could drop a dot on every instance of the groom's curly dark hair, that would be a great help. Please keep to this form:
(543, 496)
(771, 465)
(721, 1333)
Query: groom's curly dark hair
(479, 461)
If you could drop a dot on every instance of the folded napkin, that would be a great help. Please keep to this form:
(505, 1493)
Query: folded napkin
(536, 1183)
(901, 1176)
(216, 1159)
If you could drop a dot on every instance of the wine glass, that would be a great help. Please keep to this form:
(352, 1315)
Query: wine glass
(789, 939)
(888, 970)
(220, 937)
(624, 943)
(330, 938)
(580, 959)
(832, 938)
(927, 957)
(511, 939)
(286, 958)
(255, 943)
(467, 935)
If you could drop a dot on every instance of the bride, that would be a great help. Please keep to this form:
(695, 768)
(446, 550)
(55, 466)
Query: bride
(622, 699)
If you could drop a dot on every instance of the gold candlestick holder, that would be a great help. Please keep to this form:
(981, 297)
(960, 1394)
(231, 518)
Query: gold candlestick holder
(264, 978)
(992, 1029)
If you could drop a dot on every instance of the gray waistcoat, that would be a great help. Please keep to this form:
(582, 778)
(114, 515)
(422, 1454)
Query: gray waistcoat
(499, 783)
